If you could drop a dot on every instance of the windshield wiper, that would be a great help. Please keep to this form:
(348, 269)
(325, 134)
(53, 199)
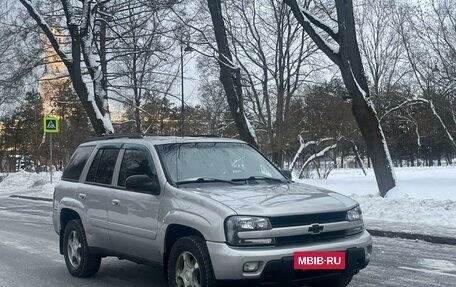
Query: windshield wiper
(205, 179)
(258, 177)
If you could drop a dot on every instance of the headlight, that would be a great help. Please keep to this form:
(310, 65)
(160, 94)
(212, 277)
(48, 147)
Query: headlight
(354, 214)
(236, 224)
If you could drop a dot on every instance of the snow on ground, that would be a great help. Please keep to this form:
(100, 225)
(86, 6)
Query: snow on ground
(29, 183)
(423, 202)
(424, 199)
(438, 183)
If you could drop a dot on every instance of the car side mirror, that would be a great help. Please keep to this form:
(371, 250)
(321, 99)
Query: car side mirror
(143, 183)
(287, 173)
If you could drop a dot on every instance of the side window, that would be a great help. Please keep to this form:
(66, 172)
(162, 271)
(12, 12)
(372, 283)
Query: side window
(92, 174)
(102, 166)
(135, 162)
(77, 162)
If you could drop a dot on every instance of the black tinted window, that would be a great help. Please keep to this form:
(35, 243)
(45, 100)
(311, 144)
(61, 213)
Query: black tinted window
(77, 163)
(92, 174)
(102, 166)
(134, 162)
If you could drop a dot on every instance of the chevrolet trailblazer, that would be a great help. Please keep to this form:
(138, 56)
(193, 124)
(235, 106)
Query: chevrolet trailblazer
(209, 210)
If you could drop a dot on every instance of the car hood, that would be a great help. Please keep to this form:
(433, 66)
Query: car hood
(275, 199)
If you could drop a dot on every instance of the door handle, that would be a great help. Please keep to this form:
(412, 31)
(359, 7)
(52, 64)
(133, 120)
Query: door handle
(115, 202)
(82, 196)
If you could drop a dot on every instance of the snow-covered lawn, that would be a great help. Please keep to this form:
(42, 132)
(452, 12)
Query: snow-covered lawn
(29, 183)
(423, 201)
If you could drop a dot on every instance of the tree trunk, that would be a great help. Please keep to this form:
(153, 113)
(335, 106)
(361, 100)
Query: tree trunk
(342, 158)
(83, 95)
(138, 127)
(103, 55)
(348, 59)
(230, 75)
(362, 107)
(376, 144)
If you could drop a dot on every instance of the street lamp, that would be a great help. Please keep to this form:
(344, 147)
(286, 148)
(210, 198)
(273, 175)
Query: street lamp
(187, 49)
(436, 69)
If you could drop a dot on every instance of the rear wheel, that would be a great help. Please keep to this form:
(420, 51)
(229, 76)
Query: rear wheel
(189, 264)
(79, 261)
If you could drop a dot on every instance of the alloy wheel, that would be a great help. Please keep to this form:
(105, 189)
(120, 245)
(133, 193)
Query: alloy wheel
(74, 249)
(188, 273)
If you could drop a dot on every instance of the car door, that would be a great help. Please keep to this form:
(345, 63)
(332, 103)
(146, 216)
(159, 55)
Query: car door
(132, 216)
(94, 194)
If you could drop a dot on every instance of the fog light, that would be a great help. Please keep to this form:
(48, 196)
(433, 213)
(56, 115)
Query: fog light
(368, 253)
(251, 266)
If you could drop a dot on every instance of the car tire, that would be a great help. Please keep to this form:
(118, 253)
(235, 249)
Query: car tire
(341, 281)
(79, 261)
(189, 264)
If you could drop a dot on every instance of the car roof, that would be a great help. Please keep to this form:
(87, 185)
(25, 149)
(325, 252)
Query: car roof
(159, 140)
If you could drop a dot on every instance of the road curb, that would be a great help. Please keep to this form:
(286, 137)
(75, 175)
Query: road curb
(31, 198)
(413, 236)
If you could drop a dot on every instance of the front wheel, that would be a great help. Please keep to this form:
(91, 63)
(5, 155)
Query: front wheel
(79, 261)
(341, 281)
(189, 264)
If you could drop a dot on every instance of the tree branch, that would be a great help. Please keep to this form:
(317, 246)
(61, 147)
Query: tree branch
(47, 31)
(321, 43)
(334, 34)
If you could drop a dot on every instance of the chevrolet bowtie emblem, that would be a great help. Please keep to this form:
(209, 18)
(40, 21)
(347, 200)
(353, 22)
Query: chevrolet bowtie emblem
(315, 228)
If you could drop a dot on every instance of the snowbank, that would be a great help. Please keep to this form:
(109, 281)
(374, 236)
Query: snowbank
(425, 196)
(30, 183)
(438, 183)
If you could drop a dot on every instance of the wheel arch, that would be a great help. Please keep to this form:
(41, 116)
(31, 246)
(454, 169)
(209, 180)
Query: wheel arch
(173, 233)
(66, 215)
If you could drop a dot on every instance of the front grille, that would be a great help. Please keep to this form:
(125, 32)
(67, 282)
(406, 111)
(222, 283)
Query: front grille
(307, 219)
(282, 273)
(307, 238)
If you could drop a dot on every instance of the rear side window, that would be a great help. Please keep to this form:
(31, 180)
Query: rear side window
(77, 162)
(102, 166)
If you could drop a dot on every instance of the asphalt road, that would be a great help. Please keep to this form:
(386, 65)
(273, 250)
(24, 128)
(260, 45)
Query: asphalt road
(29, 257)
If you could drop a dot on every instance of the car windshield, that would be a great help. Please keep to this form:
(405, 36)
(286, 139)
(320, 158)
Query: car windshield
(216, 162)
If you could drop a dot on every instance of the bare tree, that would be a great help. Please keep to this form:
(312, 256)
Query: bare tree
(427, 42)
(79, 21)
(230, 75)
(276, 56)
(213, 99)
(382, 49)
(341, 46)
(139, 52)
(20, 55)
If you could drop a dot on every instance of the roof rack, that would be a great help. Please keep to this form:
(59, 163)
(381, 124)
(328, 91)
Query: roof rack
(140, 136)
(180, 136)
(115, 136)
(204, 136)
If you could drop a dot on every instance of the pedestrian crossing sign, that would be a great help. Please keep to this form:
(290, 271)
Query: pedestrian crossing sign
(51, 125)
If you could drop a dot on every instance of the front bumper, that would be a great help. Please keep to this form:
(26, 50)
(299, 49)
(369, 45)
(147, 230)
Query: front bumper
(228, 261)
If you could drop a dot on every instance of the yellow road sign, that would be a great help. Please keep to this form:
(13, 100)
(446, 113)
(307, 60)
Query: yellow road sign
(51, 125)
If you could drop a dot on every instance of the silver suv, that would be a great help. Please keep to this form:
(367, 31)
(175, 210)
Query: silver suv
(210, 210)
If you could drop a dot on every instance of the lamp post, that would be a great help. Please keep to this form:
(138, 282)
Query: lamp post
(436, 69)
(187, 49)
(432, 97)
(435, 72)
